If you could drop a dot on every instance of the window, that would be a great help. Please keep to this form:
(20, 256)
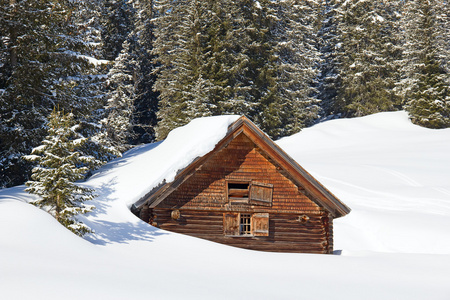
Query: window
(245, 227)
(242, 224)
(253, 193)
(238, 192)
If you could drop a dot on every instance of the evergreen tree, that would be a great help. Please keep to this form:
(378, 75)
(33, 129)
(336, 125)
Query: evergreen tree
(44, 52)
(260, 72)
(369, 57)
(329, 42)
(298, 57)
(59, 166)
(118, 124)
(116, 26)
(426, 74)
(146, 100)
(233, 57)
(179, 46)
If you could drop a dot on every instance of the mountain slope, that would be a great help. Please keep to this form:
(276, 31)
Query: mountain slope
(395, 244)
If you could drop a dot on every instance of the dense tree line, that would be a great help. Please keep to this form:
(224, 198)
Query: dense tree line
(130, 71)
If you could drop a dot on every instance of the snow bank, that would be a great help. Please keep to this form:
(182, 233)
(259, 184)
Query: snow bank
(129, 178)
(393, 245)
(394, 175)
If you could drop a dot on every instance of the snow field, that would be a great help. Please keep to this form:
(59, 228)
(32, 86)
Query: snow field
(395, 244)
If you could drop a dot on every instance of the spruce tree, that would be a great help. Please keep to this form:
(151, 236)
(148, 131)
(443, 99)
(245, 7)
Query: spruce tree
(426, 75)
(233, 57)
(146, 99)
(44, 64)
(59, 166)
(369, 57)
(329, 42)
(117, 126)
(180, 53)
(116, 20)
(298, 57)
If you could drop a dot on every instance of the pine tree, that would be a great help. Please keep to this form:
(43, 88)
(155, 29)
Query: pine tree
(369, 57)
(59, 166)
(118, 124)
(260, 72)
(43, 64)
(117, 24)
(298, 57)
(181, 53)
(232, 57)
(146, 100)
(426, 74)
(329, 42)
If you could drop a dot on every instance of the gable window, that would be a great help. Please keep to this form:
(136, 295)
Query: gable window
(253, 193)
(238, 192)
(242, 224)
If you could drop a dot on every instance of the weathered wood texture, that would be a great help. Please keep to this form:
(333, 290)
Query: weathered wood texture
(296, 223)
(286, 232)
(239, 161)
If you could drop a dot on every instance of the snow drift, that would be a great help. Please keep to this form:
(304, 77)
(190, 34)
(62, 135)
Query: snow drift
(395, 244)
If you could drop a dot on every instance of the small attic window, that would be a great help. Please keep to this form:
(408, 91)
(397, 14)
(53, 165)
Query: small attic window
(238, 192)
(253, 193)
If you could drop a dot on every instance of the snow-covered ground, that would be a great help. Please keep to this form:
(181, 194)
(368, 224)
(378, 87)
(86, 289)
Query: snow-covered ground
(395, 244)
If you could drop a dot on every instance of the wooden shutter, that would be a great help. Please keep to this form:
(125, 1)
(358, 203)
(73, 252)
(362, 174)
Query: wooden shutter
(231, 224)
(261, 194)
(260, 224)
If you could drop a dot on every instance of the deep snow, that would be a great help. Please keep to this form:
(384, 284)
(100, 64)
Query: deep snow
(395, 244)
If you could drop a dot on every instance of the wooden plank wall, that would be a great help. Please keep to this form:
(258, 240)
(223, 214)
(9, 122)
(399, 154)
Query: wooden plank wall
(239, 161)
(202, 201)
(286, 233)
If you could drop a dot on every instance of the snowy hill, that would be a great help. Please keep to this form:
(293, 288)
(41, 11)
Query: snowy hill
(395, 244)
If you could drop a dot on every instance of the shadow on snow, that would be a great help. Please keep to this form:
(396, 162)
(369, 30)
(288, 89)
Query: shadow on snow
(110, 232)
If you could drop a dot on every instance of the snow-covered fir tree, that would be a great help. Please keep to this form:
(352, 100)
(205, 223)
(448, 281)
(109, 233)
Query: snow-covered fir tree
(117, 24)
(146, 99)
(329, 42)
(43, 65)
(369, 57)
(426, 81)
(179, 49)
(298, 57)
(59, 166)
(219, 58)
(117, 126)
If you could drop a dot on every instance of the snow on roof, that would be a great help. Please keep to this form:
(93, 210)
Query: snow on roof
(141, 169)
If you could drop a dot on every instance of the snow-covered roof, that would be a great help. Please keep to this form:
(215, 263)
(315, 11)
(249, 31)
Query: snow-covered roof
(298, 175)
(130, 179)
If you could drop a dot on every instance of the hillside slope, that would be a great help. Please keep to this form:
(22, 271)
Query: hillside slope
(395, 244)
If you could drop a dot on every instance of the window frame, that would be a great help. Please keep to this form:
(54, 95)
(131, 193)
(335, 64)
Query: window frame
(238, 200)
(245, 228)
(257, 224)
(257, 193)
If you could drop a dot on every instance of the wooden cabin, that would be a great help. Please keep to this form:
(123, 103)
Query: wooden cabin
(246, 192)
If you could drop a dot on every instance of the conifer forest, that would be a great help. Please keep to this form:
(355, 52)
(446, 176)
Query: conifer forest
(111, 74)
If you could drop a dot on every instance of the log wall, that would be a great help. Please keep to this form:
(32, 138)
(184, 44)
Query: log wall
(202, 201)
(241, 160)
(286, 232)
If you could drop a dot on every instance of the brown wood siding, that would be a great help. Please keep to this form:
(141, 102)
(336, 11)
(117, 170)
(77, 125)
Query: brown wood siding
(286, 233)
(241, 160)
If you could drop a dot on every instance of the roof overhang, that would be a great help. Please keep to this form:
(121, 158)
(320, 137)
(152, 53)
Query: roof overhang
(322, 196)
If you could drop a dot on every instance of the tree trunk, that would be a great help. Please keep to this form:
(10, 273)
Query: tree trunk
(58, 207)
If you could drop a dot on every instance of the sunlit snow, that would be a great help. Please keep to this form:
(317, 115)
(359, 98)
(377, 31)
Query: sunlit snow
(394, 244)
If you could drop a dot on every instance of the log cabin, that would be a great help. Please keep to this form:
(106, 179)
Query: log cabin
(246, 192)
